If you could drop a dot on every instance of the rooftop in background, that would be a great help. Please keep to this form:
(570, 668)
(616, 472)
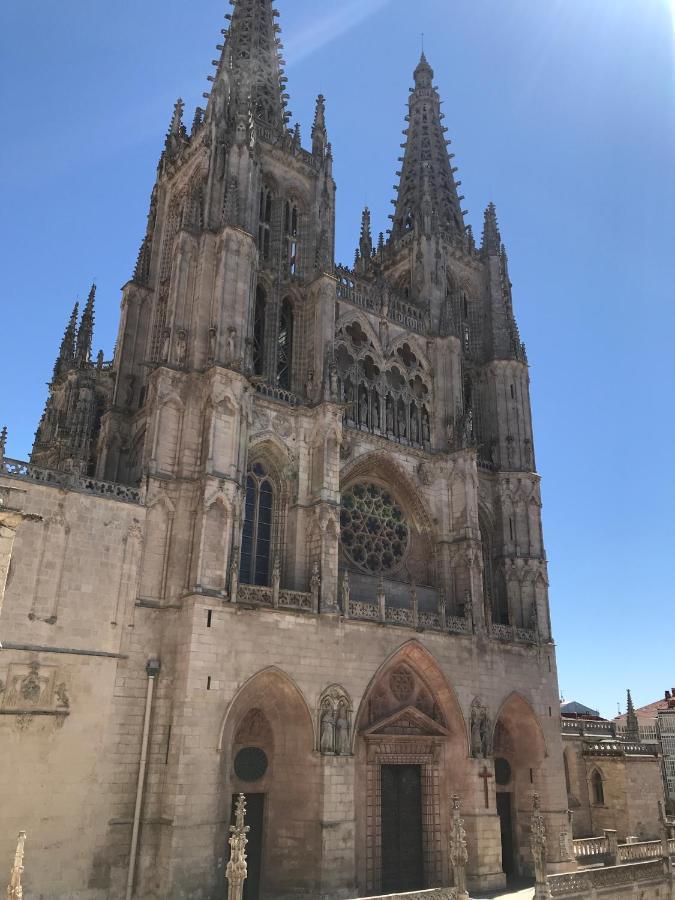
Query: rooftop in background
(652, 709)
(572, 708)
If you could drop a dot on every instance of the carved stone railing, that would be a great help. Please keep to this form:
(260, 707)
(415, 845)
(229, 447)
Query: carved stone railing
(429, 620)
(459, 625)
(358, 609)
(274, 392)
(525, 635)
(70, 481)
(501, 632)
(258, 595)
(585, 726)
(434, 894)
(295, 600)
(590, 850)
(355, 291)
(583, 883)
(629, 853)
(513, 633)
(400, 616)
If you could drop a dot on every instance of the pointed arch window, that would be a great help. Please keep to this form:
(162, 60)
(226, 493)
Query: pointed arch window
(285, 346)
(598, 789)
(259, 331)
(292, 233)
(265, 224)
(256, 541)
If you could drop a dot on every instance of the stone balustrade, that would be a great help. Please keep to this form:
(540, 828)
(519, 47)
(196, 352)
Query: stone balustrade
(71, 481)
(434, 894)
(590, 850)
(585, 883)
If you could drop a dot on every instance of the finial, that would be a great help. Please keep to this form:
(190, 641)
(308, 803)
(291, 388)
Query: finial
(492, 241)
(85, 332)
(319, 133)
(424, 74)
(3, 441)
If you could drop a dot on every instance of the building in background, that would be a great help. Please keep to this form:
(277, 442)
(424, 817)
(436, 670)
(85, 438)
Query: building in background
(656, 725)
(288, 542)
(613, 778)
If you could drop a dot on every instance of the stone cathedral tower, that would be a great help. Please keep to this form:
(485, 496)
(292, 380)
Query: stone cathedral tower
(288, 542)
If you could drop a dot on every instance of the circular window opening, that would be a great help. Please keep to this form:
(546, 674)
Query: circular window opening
(374, 533)
(502, 772)
(250, 764)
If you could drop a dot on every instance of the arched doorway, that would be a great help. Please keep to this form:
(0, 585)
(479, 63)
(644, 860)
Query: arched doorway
(519, 751)
(267, 744)
(411, 752)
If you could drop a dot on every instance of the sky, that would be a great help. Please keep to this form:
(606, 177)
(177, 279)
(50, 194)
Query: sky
(561, 112)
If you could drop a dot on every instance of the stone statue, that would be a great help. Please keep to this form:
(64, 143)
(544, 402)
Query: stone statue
(475, 732)
(213, 333)
(480, 731)
(231, 344)
(315, 585)
(390, 417)
(414, 426)
(328, 728)
(345, 592)
(538, 844)
(426, 428)
(485, 739)
(334, 384)
(181, 347)
(342, 742)
(312, 389)
(459, 855)
(450, 433)
(237, 869)
(363, 409)
(166, 334)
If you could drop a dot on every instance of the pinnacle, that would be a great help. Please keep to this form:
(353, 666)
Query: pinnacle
(492, 240)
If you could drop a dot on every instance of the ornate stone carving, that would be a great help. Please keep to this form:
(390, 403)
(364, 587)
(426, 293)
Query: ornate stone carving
(14, 889)
(335, 722)
(459, 854)
(315, 585)
(481, 742)
(424, 474)
(538, 845)
(402, 684)
(29, 687)
(237, 870)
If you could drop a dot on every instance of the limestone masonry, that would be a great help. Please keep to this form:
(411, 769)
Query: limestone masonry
(287, 543)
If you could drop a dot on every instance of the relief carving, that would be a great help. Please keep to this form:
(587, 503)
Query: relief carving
(335, 722)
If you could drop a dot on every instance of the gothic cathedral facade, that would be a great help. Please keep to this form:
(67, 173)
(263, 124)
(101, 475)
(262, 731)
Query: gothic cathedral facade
(287, 543)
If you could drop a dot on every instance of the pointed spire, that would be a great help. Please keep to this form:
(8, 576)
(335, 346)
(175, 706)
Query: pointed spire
(85, 332)
(296, 143)
(64, 360)
(3, 442)
(366, 241)
(176, 135)
(492, 239)
(319, 132)
(427, 191)
(632, 724)
(251, 64)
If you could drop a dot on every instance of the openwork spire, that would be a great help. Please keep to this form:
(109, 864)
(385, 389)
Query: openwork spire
(319, 132)
(251, 61)
(632, 723)
(366, 239)
(427, 192)
(64, 360)
(85, 334)
(492, 240)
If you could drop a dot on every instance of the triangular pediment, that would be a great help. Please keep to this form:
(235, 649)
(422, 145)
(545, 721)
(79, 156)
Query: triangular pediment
(409, 720)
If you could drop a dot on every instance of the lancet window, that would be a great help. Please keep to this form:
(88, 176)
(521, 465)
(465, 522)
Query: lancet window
(265, 225)
(259, 331)
(256, 541)
(598, 789)
(292, 237)
(285, 346)
(173, 220)
(391, 396)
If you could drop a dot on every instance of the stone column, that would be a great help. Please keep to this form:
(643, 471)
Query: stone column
(11, 506)
(612, 847)
(14, 889)
(237, 869)
(538, 842)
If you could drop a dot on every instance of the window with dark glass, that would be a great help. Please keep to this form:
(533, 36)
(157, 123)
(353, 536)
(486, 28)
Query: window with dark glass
(265, 224)
(285, 346)
(598, 790)
(259, 331)
(292, 231)
(256, 540)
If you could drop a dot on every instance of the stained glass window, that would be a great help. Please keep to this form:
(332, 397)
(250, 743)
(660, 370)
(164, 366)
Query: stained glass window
(374, 533)
(256, 540)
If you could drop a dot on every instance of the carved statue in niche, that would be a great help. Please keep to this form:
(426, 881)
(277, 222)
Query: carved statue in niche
(213, 334)
(450, 433)
(231, 339)
(333, 382)
(414, 426)
(181, 347)
(480, 730)
(315, 585)
(335, 722)
(424, 474)
(376, 411)
(363, 409)
(426, 428)
(345, 592)
(390, 416)
(311, 388)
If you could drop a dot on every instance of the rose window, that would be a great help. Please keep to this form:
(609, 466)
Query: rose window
(374, 533)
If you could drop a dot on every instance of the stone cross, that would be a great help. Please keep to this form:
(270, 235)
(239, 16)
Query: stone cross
(459, 855)
(538, 846)
(14, 889)
(236, 868)
(486, 775)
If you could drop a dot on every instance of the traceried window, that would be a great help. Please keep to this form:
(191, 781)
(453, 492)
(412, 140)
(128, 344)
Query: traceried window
(256, 541)
(292, 233)
(265, 223)
(375, 535)
(285, 346)
(259, 331)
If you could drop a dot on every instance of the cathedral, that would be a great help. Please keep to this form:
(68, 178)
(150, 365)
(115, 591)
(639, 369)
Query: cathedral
(287, 543)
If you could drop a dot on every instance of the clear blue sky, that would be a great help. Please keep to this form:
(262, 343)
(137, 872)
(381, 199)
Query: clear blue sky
(561, 111)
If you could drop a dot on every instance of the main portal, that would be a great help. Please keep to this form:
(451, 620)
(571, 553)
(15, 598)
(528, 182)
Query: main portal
(402, 854)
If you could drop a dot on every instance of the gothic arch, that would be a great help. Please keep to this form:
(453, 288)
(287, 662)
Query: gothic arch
(417, 657)
(261, 680)
(269, 715)
(416, 346)
(380, 466)
(355, 315)
(518, 712)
